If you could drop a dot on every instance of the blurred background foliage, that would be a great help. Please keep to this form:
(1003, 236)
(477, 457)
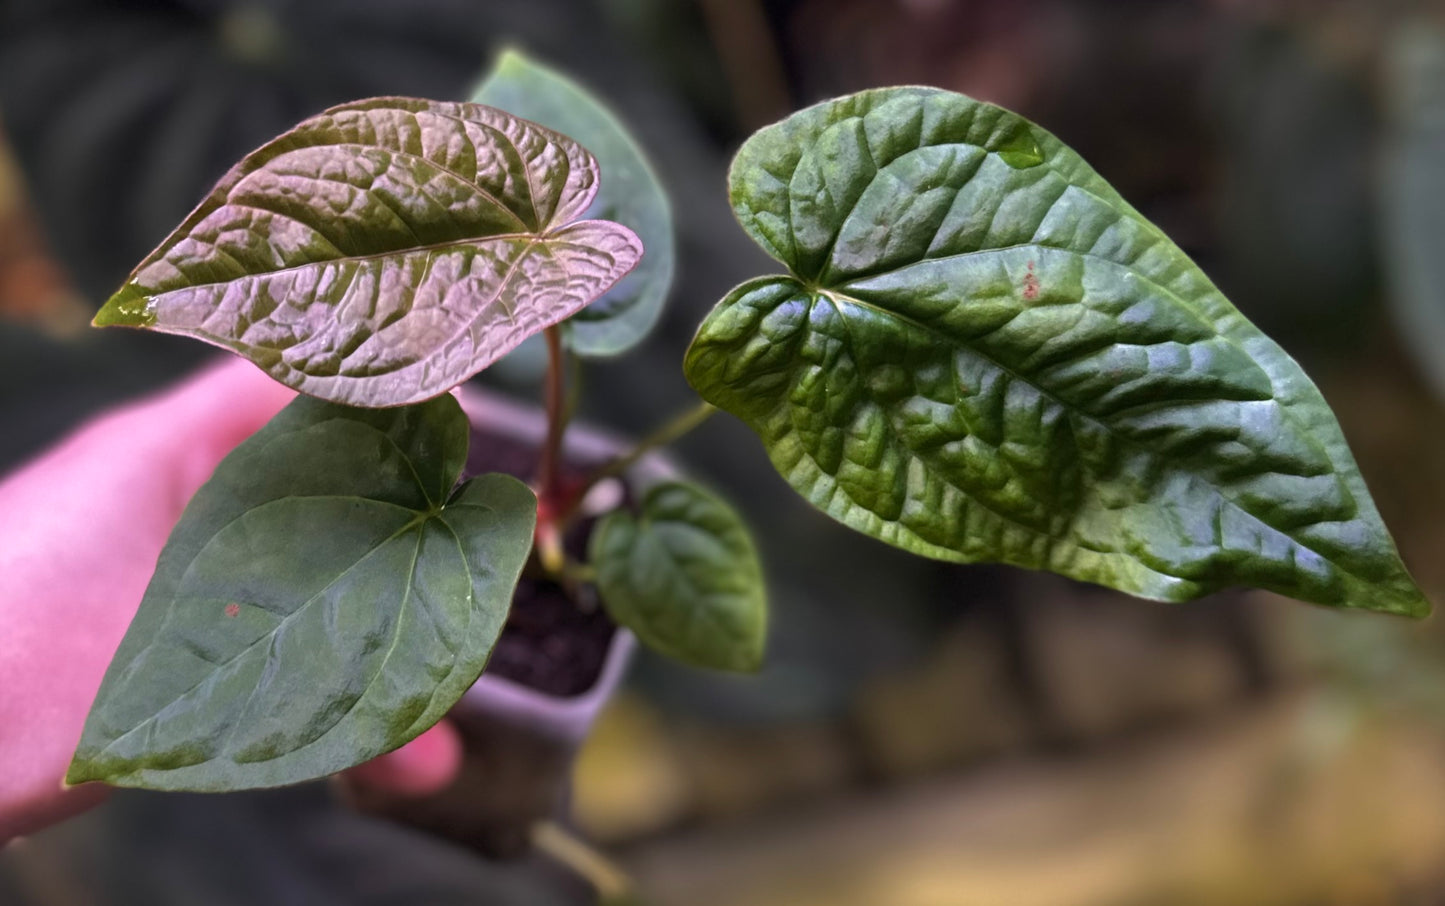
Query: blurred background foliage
(923, 733)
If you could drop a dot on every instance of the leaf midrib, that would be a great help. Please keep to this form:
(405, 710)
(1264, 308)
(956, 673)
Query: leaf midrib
(415, 523)
(832, 296)
(235, 343)
(419, 524)
(469, 183)
(706, 616)
(199, 215)
(391, 253)
(466, 631)
(1199, 317)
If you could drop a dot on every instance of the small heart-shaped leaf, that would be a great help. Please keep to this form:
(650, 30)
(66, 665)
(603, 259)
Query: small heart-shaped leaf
(384, 251)
(684, 576)
(630, 194)
(983, 353)
(325, 598)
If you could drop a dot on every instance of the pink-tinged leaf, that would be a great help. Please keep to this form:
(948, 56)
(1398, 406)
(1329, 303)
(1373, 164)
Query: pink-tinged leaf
(384, 251)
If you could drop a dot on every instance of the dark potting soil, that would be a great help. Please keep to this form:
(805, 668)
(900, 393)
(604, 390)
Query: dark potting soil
(551, 643)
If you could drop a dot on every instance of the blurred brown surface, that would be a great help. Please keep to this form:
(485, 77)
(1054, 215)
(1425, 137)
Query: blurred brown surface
(1307, 799)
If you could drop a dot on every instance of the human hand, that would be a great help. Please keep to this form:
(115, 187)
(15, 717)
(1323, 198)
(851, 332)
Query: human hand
(80, 530)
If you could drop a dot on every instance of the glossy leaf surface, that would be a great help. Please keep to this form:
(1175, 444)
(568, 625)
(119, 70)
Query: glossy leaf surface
(983, 353)
(325, 597)
(384, 251)
(629, 194)
(684, 576)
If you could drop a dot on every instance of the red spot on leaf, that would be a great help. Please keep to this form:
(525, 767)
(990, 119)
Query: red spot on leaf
(233, 609)
(1031, 284)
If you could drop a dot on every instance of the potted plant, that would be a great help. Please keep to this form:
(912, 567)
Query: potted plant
(978, 352)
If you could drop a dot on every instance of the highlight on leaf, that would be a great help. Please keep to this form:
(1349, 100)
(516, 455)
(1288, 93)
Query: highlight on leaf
(385, 250)
(981, 352)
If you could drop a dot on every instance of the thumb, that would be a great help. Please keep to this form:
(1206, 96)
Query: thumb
(221, 406)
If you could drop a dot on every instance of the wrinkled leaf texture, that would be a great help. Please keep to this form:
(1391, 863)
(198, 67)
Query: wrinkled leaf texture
(983, 353)
(683, 574)
(326, 596)
(629, 194)
(385, 250)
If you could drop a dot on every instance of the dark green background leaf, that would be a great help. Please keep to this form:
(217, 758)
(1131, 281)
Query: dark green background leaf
(1412, 196)
(983, 353)
(684, 576)
(629, 194)
(384, 251)
(325, 598)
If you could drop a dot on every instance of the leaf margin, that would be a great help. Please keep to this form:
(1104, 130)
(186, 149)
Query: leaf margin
(614, 334)
(753, 168)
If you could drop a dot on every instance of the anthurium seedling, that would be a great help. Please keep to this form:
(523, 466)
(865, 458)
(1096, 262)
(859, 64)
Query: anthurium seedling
(975, 350)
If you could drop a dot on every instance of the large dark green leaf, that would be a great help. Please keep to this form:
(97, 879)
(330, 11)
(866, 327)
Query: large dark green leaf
(326, 597)
(385, 250)
(983, 353)
(684, 576)
(630, 194)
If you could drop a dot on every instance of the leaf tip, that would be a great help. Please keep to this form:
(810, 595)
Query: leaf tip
(130, 307)
(1399, 596)
(81, 770)
(512, 56)
(1417, 607)
(748, 661)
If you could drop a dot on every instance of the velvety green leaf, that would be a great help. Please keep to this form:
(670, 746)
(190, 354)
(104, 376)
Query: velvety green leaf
(983, 353)
(683, 575)
(325, 597)
(630, 194)
(384, 251)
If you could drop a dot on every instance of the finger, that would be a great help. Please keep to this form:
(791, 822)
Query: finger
(426, 765)
(161, 449)
(221, 406)
(89, 518)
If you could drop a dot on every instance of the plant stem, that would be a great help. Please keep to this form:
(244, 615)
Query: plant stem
(664, 435)
(555, 391)
(574, 376)
(611, 882)
(549, 535)
(575, 571)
